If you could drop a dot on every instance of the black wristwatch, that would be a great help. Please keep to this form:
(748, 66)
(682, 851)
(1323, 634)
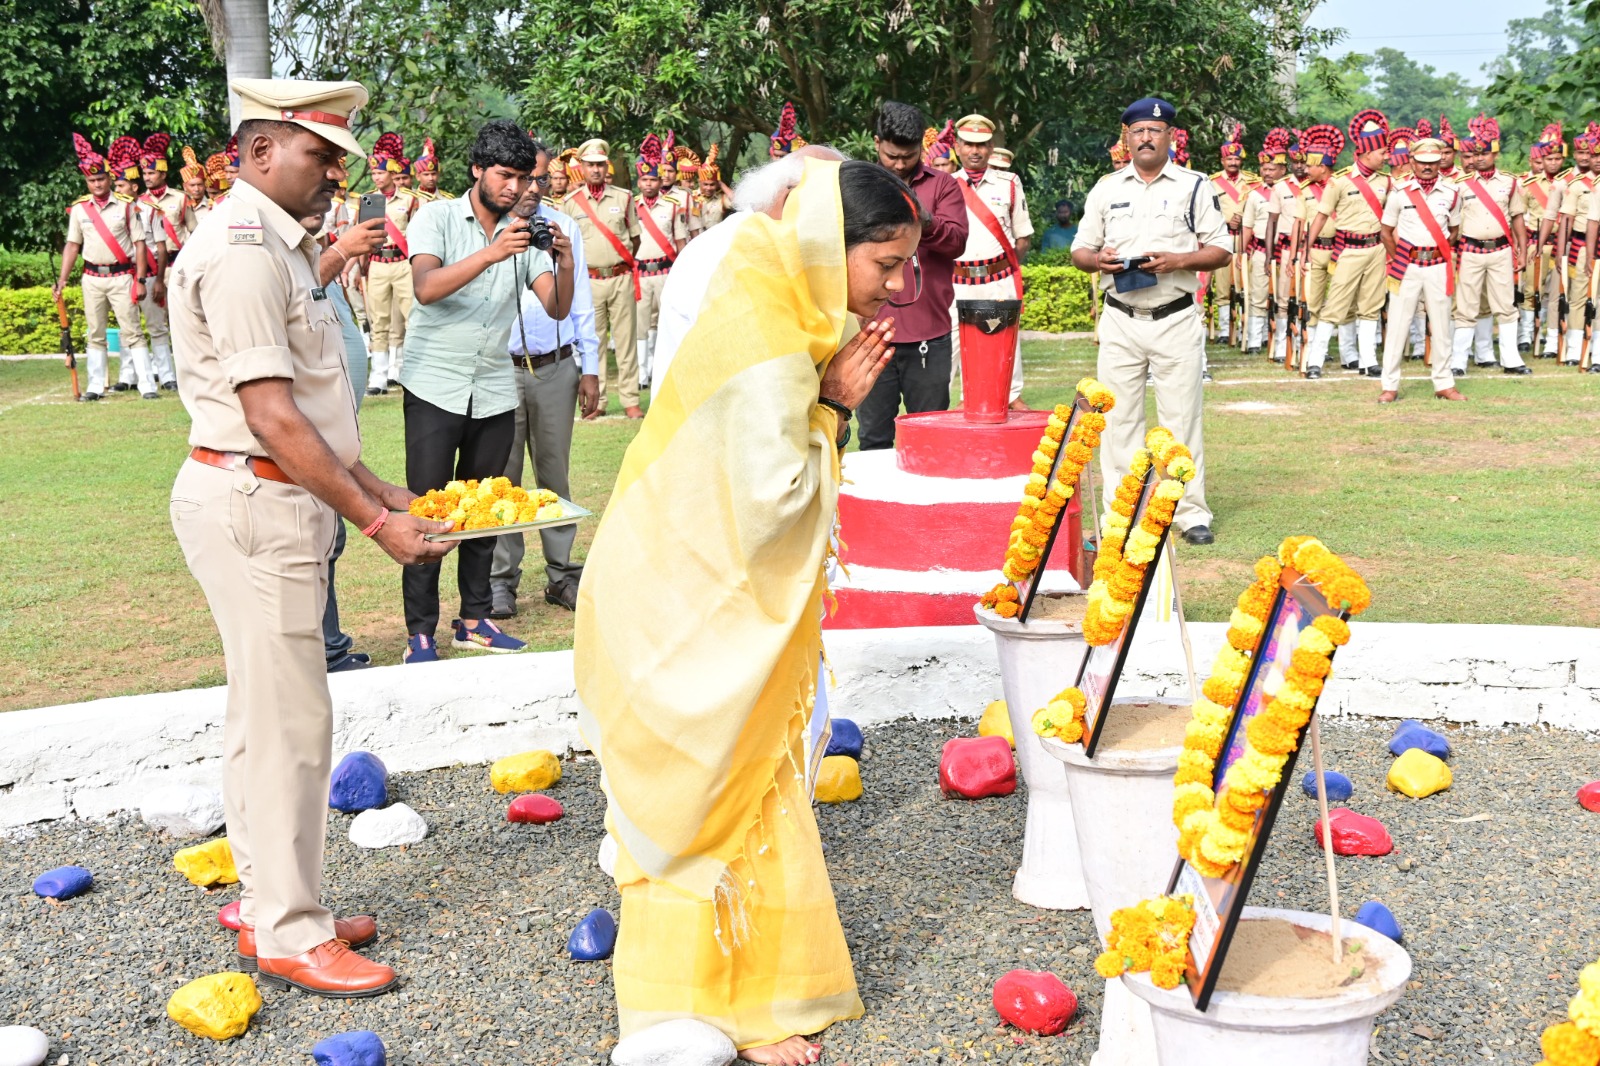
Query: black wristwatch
(845, 415)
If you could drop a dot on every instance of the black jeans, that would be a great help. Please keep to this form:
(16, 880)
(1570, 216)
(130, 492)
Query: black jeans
(440, 447)
(922, 378)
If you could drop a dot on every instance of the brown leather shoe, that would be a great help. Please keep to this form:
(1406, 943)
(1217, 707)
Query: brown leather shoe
(1449, 394)
(1018, 405)
(330, 969)
(358, 931)
(1388, 397)
(634, 412)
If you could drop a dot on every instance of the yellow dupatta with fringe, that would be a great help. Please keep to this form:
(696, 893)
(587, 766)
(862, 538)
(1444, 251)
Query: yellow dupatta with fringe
(698, 624)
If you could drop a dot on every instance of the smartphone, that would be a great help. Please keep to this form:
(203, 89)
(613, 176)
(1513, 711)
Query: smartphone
(373, 205)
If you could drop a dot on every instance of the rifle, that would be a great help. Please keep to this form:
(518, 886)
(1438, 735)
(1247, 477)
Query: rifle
(66, 335)
(1563, 306)
(1295, 340)
(1584, 353)
(1236, 305)
(1538, 294)
(1094, 305)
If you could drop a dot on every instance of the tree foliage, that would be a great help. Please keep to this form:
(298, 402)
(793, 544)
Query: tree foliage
(1333, 90)
(1548, 72)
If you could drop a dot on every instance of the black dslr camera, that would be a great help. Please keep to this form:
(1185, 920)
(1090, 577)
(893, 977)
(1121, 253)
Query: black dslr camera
(540, 235)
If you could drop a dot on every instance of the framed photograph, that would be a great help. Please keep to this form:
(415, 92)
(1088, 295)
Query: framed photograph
(1028, 587)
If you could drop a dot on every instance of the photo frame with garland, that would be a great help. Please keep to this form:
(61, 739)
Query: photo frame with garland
(1028, 587)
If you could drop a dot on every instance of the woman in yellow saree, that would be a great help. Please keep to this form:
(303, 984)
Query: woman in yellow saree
(699, 624)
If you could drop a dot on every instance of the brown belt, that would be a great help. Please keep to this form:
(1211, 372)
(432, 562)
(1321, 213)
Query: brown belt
(534, 362)
(649, 268)
(601, 273)
(261, 466)
(390, 254)
(995, 269)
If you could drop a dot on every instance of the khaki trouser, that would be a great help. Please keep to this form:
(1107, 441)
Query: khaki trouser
(1258, 283)
(615, 315)
(1003, 289)
(1577, 295)
(647, 312)
(1422, 286)
(1170, 350)
(1356, 289)
(388, 304)
(103, 297)
(259, 550)
(1315, 284)
(1485, 279)
(155, 319)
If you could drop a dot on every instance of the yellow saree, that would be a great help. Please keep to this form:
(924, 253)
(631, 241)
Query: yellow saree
(698, 637)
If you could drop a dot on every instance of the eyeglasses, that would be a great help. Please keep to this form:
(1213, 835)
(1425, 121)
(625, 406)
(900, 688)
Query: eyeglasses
(915, 266)
(543, 183)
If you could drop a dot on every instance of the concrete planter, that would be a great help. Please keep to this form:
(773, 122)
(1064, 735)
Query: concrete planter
(1038, 660)
(1243, 1030)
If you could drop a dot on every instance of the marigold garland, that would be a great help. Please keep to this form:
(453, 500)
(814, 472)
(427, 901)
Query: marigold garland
(486, 504)
(1044, 496)
(1577, 1042)
(1062, 717)
(1126, 553)
(1151, 936)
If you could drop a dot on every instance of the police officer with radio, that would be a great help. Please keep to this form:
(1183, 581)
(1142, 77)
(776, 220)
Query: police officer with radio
(1150, 229)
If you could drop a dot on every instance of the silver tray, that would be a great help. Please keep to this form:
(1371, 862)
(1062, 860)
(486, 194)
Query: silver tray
(573, 513)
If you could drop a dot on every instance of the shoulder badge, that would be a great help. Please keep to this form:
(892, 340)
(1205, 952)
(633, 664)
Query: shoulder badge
(244, 227)
(122, 198)
(441, 194)
(80, 200)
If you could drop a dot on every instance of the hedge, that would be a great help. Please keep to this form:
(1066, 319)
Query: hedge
(29, 324)
(1057, 299)
(20, 270)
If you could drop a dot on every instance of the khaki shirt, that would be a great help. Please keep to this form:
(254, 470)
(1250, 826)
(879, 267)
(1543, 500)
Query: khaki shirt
(1136, 218)
(1540, 198)
(189, 216)
(1476, 220)
(1260, 204)
(1311, 195)
(243, 305)
(168, 205)
(614, 209)
(402, 206)
(1287, 193)
(1002, 191)
(122, 218)
(1347, 209)
(1579, 203)
(1444, 203)
(710, 211)
(1231, 193)
(670, 217)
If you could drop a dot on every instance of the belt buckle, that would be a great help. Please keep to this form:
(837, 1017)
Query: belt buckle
(1144, 314)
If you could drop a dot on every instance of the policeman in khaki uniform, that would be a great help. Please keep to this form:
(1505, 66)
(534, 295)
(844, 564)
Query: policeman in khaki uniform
(276, 462)
(388, 293)
(610, 230)
(1169, 215)
(663, 231)
(1232, 183)
(1578, 204)
(1291, 222)
(163, 204)
(711, 199)
(1557, 227)
(1493, 238)
(989, 268)
(1314, 259)
(426, 168)
(1540, 283)
(1421, 219)
(105, 227)
(1261, 222)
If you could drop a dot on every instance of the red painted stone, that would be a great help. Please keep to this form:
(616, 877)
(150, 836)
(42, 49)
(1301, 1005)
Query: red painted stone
(1589, 796)
(228, 917)
(975, 767)
(1035, 1002)
(945, 444)
(1355, 834)
(535, 807)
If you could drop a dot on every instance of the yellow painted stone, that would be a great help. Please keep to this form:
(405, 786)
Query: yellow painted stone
(1418, 774)
(839, 780)
(207, 864)
(532, 771)
(218, 1006)
(996, 722)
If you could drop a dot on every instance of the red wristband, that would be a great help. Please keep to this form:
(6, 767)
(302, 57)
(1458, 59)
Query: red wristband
(377, 524)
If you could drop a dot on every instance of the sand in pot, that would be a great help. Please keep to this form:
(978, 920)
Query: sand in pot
(1272, 957)
(1069, 609)
(1144, 727)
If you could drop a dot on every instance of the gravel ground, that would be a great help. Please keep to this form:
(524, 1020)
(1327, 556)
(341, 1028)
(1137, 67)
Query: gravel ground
(1490, 880)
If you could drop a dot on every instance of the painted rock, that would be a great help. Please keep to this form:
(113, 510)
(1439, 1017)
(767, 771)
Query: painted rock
(532, 771)
(1379, 919)
(1338, 786)
(975, 767)
(360, 783)
(22, 1045)
(362, 1047)
(838, 780)
(594, 938)
(607, 858)
(680, 1042)
(1355, 834)
(389, 827)
(1035, 1002)
(1589, 796)
(537, 809)
(996, 722)
(183, 810)
(228, 917)
(1413, 734)
(219, 1006)
(1418, 774)
(846, 739)
(207, 864)
(63, 882)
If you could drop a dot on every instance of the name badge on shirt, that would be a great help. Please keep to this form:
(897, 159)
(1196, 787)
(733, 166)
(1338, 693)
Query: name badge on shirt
(244, 234)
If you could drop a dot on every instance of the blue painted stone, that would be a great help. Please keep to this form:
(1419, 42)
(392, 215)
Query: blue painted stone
(359, 1048)
(594, 938)
(1413, 734)
(846, 739)
(1338, 786)
(63, 882)
(360, 783)
(1379, 919)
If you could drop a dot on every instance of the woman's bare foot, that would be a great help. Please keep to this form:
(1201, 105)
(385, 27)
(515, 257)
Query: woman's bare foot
(795, 1051)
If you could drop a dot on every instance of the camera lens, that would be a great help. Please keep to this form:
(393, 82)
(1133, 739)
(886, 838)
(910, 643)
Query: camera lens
(540, 236)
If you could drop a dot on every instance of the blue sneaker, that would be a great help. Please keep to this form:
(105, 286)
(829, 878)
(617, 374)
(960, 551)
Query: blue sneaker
(487, 637)
(420, 648)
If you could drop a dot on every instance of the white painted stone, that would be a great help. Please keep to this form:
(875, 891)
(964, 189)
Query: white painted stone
(1586, 669)
(874, 476)
(1578, 710)
(387, 827)
(1502, 706)
(1518, 675)
(608, 856)
(680, 1042)
(184, 810)
(936, 582)
(22, 1045)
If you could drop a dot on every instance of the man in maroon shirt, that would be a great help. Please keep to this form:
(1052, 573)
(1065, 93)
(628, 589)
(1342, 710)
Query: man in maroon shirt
(920, 370)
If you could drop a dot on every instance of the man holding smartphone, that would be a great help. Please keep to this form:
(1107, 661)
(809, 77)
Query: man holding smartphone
(1150, 230)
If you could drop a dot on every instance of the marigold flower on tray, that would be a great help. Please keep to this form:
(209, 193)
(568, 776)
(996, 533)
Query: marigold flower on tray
(1567, 1045)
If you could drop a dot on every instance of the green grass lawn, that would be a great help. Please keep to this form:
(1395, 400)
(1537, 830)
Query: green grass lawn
(1475, 512)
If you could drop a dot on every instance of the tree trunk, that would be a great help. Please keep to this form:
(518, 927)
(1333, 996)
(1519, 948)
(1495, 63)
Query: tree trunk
(248, 45)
